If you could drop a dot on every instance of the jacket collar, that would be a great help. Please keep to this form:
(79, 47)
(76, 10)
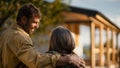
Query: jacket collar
(17, 27)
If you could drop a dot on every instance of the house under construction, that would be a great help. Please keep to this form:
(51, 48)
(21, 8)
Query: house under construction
(104, 54)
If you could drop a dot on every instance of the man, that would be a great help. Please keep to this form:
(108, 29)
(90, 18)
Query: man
(17, 49)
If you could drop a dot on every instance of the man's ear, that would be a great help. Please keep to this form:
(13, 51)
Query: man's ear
(24, 20)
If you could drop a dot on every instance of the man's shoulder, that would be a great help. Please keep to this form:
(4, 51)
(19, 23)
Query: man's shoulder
(13, 33)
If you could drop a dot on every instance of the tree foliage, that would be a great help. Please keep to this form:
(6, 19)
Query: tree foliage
(50, 11)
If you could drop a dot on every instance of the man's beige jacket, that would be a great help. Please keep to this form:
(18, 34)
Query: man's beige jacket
(17, 51)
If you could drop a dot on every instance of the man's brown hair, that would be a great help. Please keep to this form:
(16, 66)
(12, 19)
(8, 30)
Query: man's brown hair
(28, 10)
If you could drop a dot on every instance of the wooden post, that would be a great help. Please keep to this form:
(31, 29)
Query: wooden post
(113, 47)
(92, 45)
(118, 52)
(101, 47)
(68, 26)
(75, 29)
(72, 27)
(76, 34)
(117, 49)
(108, 48)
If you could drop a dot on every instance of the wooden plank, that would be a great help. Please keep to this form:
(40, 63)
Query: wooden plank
(92, 45)
(113, 46)
(67, 25)
(77, 34)
(97, 50)
(101, 46)
(117, 50)
(97, 23)
(108, 48)
(106, 23)
(74, 28)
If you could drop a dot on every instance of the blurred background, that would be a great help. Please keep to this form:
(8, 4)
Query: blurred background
(94, 24)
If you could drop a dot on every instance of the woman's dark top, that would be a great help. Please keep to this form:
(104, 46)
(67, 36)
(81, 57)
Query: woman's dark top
(64, 66)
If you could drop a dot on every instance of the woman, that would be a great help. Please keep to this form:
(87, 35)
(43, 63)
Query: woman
(61, 41)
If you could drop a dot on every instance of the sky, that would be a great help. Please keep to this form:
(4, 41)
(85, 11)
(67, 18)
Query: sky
(109, 8)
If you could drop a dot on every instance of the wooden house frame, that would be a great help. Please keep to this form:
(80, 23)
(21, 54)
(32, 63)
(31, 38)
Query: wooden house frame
(94, 19)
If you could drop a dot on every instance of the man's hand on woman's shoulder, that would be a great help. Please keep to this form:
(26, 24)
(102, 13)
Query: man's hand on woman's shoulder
(71, 59)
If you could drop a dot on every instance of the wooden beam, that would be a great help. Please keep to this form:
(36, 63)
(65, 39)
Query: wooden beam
(67, 25)
(117, 48)
(113, 46)
(108, 48)
(77, 34)
(97, 22)
(74, 16)
(92, 45)
(105, 22)
(101, 46)
(71, 26)
(79, 22)
(97, 50)
(74, 29)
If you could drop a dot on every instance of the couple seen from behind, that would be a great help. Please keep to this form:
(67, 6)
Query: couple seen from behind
(18, 51)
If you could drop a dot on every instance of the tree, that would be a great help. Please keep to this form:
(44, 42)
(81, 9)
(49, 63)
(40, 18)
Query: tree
(50, 11)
